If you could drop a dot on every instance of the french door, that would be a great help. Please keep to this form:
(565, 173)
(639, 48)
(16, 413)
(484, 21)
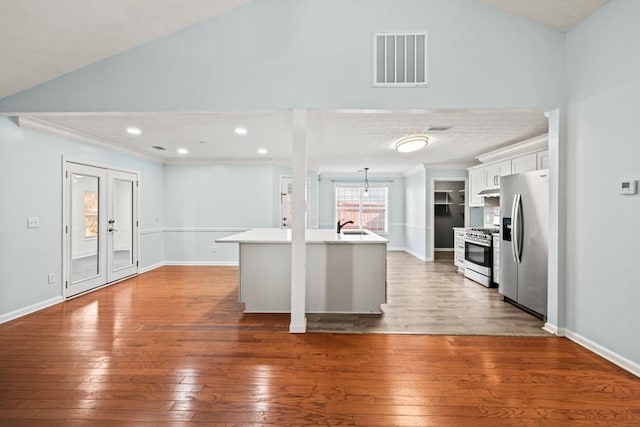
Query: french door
(100, 226)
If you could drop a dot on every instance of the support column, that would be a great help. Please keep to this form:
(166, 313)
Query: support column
(298, 227)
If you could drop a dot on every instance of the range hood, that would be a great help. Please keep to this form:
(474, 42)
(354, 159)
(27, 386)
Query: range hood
(491, 192)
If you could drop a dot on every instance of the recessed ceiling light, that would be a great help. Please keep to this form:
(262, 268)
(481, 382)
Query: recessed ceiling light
(411, 143)
(133, 131)
(240, 131)
(183, 151)
(262, 151)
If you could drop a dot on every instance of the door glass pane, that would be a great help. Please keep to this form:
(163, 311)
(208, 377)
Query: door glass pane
(84, 227)
(122, 226)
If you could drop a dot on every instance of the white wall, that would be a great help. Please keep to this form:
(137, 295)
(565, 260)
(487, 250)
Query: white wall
(273, 54)
(31, 185)
(327, 208)
(603, 147)
(416, 212)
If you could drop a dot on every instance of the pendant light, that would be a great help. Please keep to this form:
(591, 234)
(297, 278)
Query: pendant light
(366, 182)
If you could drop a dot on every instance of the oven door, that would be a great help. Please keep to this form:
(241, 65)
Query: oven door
(478, 254)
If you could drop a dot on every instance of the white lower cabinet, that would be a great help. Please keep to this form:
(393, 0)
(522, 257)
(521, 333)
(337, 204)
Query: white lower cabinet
(458, 243)
(496, 258)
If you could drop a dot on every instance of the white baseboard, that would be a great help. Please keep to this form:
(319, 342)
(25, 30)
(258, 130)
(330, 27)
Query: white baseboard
(300, 328)
(417, 255)
(150, 267)
(395, 249)
(613, 357)
(553, 329)
(30, 309)
(203, 263)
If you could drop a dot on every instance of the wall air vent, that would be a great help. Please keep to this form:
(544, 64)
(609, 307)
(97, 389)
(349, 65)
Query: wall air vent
(400, 59)
(439, 128)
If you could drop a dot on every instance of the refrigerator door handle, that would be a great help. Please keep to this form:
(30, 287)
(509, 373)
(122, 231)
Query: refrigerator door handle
(516, 238)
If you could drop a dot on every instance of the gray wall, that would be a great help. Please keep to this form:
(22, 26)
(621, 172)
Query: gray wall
(449, 216)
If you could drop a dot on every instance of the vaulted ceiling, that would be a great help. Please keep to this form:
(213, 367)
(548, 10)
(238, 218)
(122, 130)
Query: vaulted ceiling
(41, 40)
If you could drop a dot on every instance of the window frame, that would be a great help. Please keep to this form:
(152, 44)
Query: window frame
(362, 197)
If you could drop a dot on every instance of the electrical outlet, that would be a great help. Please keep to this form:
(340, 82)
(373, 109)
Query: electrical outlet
(51, 277)
(214, 249)
(33, 222)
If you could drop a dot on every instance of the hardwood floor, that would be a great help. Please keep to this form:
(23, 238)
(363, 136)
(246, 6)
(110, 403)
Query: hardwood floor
(172, 347)
(432, 298)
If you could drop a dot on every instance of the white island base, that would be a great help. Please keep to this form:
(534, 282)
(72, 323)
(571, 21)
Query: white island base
(345, 274)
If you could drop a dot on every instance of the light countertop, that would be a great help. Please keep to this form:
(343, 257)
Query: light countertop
(279, 235)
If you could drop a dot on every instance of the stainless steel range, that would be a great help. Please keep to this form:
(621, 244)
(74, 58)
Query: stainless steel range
(478, 255)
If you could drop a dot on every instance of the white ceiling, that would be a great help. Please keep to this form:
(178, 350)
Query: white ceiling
(338, 141)
(560, 14)
(43, 39)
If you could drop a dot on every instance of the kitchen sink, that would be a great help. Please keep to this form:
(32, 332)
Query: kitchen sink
(355, 232)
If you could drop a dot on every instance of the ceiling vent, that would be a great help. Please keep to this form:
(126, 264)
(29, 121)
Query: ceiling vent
(439, 128)
(400, 59)
(157, 147)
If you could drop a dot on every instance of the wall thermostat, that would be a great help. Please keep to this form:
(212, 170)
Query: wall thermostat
(628, 187)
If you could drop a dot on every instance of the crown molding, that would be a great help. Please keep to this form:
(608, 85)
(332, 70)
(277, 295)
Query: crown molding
(35, 123)
(531, 145)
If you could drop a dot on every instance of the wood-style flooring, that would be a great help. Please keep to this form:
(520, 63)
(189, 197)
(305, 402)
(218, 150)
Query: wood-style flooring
(433, 298)
(172, 347)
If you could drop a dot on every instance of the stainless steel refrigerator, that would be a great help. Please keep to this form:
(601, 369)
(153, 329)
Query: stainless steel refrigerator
(524, 245)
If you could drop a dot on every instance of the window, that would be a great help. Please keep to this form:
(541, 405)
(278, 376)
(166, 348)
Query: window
(90, 214)
(370, 212)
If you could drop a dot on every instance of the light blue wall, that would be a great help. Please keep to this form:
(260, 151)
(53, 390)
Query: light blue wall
(327, 213)
(416, 213)
(31, 185)
(317, 54)
(204, 203)
(603, 87)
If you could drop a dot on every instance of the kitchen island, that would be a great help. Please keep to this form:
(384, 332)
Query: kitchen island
(346, 273)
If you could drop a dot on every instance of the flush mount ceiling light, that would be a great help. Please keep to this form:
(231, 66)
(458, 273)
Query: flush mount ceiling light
(262, 151)
(133, 131)
(183, 151)
(240, 131)
(411, 143)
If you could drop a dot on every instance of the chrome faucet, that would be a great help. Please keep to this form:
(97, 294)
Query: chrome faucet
(339, 226)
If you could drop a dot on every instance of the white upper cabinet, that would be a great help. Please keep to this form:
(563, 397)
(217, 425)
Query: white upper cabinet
(476, 185)
(525, 163)
(542, 160)
(524, 156)
(494, 171)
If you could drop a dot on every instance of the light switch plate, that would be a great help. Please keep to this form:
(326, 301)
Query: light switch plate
(628, 187)
(33, 222)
